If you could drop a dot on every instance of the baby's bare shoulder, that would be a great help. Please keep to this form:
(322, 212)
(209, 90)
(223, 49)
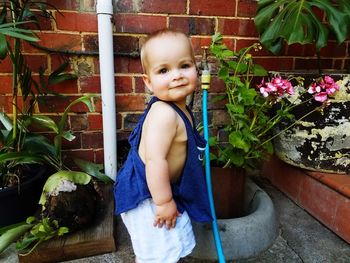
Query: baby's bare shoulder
(162, 111)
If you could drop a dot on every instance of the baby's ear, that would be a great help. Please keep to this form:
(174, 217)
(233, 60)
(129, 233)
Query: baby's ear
(147, 82)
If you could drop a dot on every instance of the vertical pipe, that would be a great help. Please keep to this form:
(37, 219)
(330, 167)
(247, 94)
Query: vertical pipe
(104, 11)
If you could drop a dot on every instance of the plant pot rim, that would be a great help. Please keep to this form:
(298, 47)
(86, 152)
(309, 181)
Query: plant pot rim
(24, 185)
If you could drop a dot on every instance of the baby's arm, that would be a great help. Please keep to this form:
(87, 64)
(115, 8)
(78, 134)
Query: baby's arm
(159, 133)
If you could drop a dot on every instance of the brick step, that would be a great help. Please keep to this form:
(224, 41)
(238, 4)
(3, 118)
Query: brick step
(325, 196)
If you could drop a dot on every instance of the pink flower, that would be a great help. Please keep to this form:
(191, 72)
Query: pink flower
(323, 87)
(321, 96)
(277, 87)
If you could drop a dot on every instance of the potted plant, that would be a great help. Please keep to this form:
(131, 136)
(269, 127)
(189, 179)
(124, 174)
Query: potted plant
(318, 142)
(254, 106)
(22, 173)
(23, 151)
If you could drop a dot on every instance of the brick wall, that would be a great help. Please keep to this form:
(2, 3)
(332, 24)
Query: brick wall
(76, 30)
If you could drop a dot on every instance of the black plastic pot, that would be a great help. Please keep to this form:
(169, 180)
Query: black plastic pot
(16, 204)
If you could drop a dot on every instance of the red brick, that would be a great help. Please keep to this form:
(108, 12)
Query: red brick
(74, 144)
(217, 85)
(126, 44)
(3, 103)
(246, 8)
(123, 84)
(161, 6)
(338, 182)
(59, 104)
(298, 50)
(66, 5)
(6, 65)
(237, 27)
(243, 43)
(35, 62)
(193, 25)
(58, 59)
(90, 84)
(275, 63)
(78, 122)
(95, 122)
(140, 86)
(338, 64)
(6, 84)
(99, 156)
(92, 140)
(66, 87)
(61, 41)
(81, 22)
(130, 103)
(140, 24)
(44, 23)
(199, 42)
(319, 200)
(214, 8)
(125, 6)
(333, 50)
(301, 63)
(130, 121)
(119, 121)
(127, 65)
(342, 219)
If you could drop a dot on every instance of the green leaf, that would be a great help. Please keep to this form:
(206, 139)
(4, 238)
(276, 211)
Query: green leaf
(296, 22)
(56, 179)
(236, 139)
(93, 170)
(21, 157)
(223, 73)
(6, 122)
(259, 70)
(45, 121)
(12, 235)
(3, 47)
(235, 108)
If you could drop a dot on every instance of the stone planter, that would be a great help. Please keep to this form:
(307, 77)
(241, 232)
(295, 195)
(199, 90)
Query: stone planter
(242, 237)
(320, 142)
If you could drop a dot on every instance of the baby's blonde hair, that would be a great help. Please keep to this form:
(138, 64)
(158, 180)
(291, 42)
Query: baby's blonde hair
(159, 33)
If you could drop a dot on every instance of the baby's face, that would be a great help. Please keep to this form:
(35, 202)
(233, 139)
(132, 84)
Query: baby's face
(171, 72)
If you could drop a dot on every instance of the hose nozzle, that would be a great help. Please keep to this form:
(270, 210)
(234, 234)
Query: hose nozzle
(205, 78)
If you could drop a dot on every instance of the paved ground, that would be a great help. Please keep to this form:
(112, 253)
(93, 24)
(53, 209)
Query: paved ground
(302, 239)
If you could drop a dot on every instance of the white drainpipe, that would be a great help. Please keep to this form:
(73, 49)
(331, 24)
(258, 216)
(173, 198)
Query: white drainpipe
(104, 9)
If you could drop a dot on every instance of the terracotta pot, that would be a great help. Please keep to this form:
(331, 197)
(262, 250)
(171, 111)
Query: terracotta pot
(320, 142)
(228, 191)
(16, 204)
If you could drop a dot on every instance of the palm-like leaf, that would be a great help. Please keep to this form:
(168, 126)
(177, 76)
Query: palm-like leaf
(296, 22)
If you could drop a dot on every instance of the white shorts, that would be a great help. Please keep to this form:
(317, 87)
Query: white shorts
(158, 245)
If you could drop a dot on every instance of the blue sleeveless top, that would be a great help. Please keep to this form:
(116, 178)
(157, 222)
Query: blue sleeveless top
(189, 192)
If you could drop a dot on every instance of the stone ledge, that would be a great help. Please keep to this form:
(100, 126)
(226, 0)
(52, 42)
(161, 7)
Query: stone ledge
(325, 196)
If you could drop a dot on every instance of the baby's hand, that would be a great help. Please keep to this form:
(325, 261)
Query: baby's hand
(166, 214)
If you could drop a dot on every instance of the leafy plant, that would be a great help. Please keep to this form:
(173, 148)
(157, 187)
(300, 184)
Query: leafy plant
(296, 21)
(254, 111)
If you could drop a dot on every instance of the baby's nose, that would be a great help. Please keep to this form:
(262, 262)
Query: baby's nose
(177, 74)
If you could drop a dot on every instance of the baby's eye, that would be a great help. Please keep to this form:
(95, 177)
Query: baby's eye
(162, 71)
(186, 65)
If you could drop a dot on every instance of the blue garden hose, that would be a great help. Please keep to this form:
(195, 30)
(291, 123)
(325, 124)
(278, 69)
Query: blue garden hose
(205, 84)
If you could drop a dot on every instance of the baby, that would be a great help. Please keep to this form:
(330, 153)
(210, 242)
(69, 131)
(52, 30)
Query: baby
(161, 185)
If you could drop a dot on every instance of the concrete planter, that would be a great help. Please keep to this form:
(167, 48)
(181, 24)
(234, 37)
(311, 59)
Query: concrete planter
(242, 237)
(320, 142)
